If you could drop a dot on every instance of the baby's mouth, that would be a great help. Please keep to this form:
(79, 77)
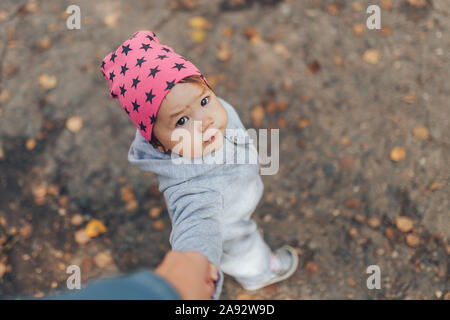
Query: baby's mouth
(210, 140)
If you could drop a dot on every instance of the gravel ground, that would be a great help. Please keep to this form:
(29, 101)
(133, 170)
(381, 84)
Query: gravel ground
(364, 119)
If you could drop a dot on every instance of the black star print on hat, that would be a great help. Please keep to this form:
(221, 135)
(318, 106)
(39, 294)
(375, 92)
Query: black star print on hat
(162, 57)
(126, 110)
(145, 46)
(124, 69)
(143, 128)
(123, 90)
(140, 61)
(150, 96)
(125, 49)
(152, 118)
(135, 82)
(179, 66)
(150, 37)
(135, 105)
(170, 84)
(111, 76)
(103, 64)
(113, 95)
(113, 56)
(153, 72)
(165, 49)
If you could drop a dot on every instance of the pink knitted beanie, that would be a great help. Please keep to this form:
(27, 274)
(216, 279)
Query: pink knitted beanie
(140, 73)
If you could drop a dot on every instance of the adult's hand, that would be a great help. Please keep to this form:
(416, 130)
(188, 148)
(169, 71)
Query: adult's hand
(190, 273)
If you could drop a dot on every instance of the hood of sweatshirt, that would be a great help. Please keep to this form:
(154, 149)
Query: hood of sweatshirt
(147, 158)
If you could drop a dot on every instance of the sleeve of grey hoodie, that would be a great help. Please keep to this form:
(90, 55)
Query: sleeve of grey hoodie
(195, 226)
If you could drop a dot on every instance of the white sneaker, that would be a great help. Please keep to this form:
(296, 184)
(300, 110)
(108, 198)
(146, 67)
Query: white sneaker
(286, 262)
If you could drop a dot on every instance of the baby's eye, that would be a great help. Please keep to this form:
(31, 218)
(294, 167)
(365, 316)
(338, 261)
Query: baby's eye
(204, 101)
(179, 122)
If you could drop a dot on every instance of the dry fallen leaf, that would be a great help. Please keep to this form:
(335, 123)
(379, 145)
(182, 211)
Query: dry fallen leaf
(4, 95)
(199, 23)
(386, 4)
(77, 219)
(314, 67)
(421, 132)
(2, 269)
(103, 259)
(281, 49)
(435, 186)
(351, 282)
(197, 35)
(40, 193)
(227, 31)
(95, 227)
(352, 203)
(257, 115)
(243, 296)
(357, 6)
(346, 163)
(311, 267)
(111, 19)
(390, 233)
(372, 56)
(418, 3)
(374, 222)
(410, 97)
(404, 224)
(155, 212)
(303, 123)
(81, 237)
(359, 29)
(74, 124)
(337, 61)
(45, 43)
(30, 144)
(412, 240)
(332, 8)
(386, 31)
(224, 53)
(158, 225)
(398, 154)
(31, 7)
(47, 81)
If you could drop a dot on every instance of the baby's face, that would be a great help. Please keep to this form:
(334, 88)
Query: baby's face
(189, 116)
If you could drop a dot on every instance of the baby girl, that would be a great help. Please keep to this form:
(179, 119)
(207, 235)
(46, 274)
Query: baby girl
(209, 204)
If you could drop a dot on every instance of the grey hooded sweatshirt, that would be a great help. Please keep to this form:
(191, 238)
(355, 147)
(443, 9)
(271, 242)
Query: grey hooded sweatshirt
(203, 198)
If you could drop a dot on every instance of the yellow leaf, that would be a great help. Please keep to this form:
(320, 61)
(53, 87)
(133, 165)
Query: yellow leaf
(418, 3)
(197, 35)
(398, 153)
(386, 4)
(359, 29)
(410, 97)
(111, 19)
(257, 115)
(404, 224)
(372, 56)
(47, 81)
(31, 144)
(199, 23)
(94, 228)
(74, 124)
(421, 132)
